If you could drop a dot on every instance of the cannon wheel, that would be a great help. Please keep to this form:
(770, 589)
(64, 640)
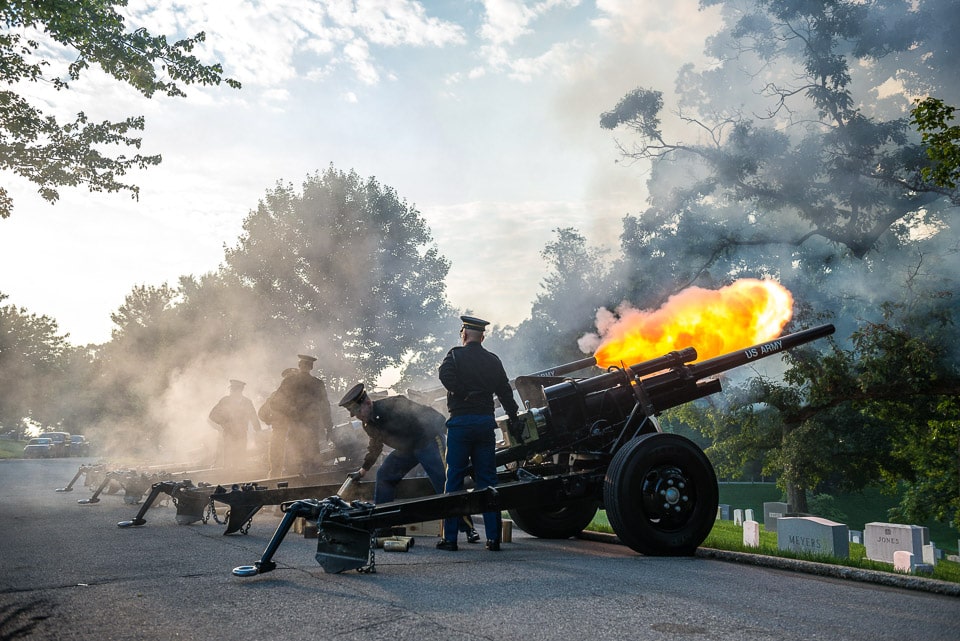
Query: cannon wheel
(559, 523)
(661, 496)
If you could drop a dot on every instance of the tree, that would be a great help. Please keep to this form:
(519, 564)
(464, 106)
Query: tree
(804, 158)
(347, 269)
(932, 117)
(52, 154)
(575, 285)
(800, 166)
(142, 308)
(32, 357)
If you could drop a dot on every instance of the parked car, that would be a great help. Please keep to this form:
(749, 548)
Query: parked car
(79, 445)
(38, 448)
(61, 442)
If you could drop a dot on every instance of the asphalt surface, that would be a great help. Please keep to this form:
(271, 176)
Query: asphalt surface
(71, 573)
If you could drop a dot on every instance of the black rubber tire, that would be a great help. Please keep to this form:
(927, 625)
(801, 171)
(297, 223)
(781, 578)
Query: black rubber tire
(561, 522)
(661, 495)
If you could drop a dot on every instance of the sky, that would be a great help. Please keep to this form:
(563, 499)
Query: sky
(483, 115)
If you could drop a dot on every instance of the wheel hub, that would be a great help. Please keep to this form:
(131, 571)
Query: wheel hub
(667, 494)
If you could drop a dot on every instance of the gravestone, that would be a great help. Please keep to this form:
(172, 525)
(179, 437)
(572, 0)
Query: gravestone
(856, 536)
(771, 512)
(738, 517)
(751, 534)
(930, 555)
(813, 535)
(748, 515)
(903, 561)
(724, 512)
(884, 539)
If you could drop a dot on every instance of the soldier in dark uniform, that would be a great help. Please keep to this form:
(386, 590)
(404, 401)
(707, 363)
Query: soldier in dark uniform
(302, 400)
(415, 432)
(280, 427)
(234, 414)
(472, 376)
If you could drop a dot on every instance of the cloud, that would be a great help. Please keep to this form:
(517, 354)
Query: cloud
(507, 20)
(496, 265)
(558, 60)
(265, 43)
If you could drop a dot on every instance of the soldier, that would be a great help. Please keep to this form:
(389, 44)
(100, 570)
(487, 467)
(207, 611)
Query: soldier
(472, 376)
(234, 414)
(280, 426)
(302, 400)
(416, 434)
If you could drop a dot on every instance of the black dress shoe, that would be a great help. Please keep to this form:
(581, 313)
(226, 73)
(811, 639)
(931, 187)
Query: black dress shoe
(473, 536)
(449, 546)
(493, 546)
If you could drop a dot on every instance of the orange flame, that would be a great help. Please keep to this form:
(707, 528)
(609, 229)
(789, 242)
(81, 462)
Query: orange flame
(745, 313)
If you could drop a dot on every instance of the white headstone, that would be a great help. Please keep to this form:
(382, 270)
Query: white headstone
(771, 512)
(748, 515)
(751, 534)
(930, 554)
(738, 517)
(813, 535)
(903, 561)
(884, 539)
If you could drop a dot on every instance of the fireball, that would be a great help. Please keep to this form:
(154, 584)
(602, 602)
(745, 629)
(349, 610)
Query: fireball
(715, 322)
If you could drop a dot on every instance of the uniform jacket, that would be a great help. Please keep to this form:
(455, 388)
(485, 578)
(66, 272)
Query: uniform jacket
(398, 422)
(472, 376)
(302, 398)
(234, 414)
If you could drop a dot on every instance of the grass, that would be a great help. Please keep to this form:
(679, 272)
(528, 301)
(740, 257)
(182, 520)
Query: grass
(725, 535)
(11, 449)
(854, 510)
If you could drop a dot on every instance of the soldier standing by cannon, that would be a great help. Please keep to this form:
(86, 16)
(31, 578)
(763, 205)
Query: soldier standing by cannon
(279, 429)
(301, 399)
(234, 414)
(472, 376)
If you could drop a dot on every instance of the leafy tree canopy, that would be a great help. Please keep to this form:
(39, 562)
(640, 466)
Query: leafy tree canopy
(344, 267)
(53, 154)
(932, 118)
(790, 157)
(32, 354)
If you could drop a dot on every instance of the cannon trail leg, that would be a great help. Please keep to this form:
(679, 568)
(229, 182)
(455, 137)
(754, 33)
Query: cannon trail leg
(69, 487)
(238, 515)
(155, 490)
(95, 498)
(190, 505)
(307, 508)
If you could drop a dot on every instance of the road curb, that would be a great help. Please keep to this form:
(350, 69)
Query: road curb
(906, 581)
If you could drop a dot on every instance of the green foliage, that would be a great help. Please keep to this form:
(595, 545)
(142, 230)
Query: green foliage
(11, 448)
(564, 308)
(52, 154)
(348, 264)
(726, 535)
(795, 170)
(32, 357)
(825, 506)
(932, 118)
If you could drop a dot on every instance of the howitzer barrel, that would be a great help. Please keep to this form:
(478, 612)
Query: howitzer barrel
(736, 359)
(567, 368)
(659, 383)
(610, 379)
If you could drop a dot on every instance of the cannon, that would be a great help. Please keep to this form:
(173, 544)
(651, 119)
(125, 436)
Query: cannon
(86, 470)
(196, 502)
(584, 444)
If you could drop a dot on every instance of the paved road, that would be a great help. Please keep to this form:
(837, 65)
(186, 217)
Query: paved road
(71, 573)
